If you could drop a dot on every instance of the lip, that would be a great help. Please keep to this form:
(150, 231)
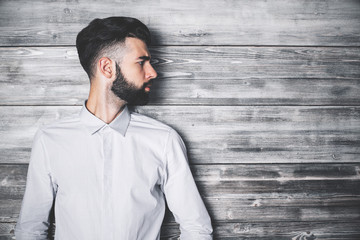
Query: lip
(147, 88)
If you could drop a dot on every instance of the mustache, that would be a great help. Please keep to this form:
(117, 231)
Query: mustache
(147, 84)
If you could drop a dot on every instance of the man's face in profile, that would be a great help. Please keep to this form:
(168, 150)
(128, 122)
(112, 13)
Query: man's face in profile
(133, 80)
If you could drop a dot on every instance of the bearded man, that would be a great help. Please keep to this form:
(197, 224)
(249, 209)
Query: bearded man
(106, 171)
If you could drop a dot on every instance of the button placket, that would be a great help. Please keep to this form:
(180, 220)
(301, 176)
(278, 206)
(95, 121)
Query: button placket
(107, 183)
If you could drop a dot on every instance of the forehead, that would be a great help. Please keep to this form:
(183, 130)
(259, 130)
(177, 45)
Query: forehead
(136, 48)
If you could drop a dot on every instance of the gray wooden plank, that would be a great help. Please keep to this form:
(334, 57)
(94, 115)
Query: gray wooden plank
(194, 75)
(295, 189)
(225, 134)
(305, 22)
(287, 230)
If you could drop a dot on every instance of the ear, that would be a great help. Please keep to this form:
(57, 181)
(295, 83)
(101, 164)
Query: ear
(107, 67)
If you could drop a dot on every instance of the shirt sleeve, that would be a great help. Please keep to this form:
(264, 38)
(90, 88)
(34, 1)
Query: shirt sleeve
(33, 222)
(181, 193)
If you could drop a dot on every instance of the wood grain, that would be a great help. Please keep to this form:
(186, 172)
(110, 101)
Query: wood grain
(194, 76)
(225, 134)
(305, 22)
(288, 230)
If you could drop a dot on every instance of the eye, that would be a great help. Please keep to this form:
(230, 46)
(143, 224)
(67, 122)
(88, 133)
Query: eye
(141, 63)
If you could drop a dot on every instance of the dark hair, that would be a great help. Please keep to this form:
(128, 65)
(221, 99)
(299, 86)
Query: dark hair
(102, 33)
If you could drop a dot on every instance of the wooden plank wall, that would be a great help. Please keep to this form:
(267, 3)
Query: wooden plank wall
(264, 93)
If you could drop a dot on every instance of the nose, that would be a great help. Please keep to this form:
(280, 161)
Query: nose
(150, 73)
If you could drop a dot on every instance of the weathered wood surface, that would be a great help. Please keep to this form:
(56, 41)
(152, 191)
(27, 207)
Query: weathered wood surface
(264, 93)
(213, 22)
(287, 230)
(259, 194)
(209, 75)
(225, 134)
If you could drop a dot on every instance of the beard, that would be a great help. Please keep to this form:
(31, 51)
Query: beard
(127, 91)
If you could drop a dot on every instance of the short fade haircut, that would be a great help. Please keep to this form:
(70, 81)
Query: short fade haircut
(101, 34)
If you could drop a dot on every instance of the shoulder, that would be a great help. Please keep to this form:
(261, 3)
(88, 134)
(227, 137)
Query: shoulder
(59, 126)
(144, 124)
(147, 123)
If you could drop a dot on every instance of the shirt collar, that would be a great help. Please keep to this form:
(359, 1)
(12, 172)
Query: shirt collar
(94, 124)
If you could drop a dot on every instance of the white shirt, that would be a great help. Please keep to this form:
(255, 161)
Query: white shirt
(109, 181)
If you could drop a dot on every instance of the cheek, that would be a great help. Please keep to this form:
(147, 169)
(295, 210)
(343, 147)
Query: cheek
(135, 76)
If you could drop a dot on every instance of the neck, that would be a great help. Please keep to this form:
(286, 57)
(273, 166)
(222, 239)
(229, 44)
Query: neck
(104, 104)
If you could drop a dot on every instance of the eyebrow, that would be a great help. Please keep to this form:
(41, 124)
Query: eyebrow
(145, 58)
